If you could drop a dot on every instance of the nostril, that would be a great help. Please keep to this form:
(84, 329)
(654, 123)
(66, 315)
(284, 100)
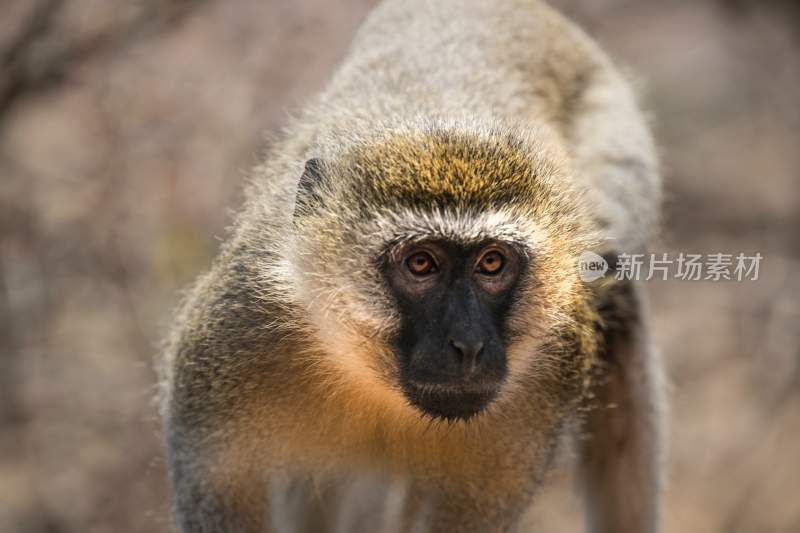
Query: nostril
(469, 352)
(467, 349)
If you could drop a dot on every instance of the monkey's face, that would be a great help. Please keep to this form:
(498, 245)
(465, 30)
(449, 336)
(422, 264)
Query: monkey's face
(453, 301)
(439, 270)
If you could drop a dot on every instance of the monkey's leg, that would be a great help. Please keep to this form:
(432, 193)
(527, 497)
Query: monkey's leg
(620, 447)
(214, 491)
(222, 484)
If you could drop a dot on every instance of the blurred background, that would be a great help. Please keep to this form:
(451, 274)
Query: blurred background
(126, 128)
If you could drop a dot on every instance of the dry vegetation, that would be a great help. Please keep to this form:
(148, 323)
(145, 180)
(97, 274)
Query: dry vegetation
(125, 129)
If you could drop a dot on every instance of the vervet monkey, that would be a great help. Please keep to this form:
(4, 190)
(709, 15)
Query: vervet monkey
(395, 335)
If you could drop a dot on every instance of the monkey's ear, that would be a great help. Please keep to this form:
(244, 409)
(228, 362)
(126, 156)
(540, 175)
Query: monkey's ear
(308, 187)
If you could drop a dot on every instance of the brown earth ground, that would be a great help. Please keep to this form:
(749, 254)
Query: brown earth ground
(126, 128)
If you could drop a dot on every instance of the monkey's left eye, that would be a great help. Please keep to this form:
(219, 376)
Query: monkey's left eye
(491, 263)
(421, 264)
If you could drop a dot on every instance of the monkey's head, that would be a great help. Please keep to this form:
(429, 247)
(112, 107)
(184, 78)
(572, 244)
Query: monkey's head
(440, 266)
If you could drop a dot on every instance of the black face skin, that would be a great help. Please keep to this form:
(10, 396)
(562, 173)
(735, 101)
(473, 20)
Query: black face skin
(453, 302)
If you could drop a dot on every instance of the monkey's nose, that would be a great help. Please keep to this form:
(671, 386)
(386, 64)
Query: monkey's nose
(469, 353)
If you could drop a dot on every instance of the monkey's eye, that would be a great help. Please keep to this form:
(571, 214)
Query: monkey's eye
(491, 263)
(421, 264)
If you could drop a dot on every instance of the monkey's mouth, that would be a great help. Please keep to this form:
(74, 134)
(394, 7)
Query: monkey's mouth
(450, 402)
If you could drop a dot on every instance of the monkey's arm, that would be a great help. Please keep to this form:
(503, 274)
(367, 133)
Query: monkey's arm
(211, 497)
(620, 445)
(216, 484)
(211, 377)
(615, 160)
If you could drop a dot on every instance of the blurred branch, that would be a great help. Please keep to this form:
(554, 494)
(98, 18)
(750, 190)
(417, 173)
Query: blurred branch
(40, 57)
(787, 8)
(13, 59)
(10, 410)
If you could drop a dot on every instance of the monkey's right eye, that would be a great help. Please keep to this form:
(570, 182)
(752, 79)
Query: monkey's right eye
(421, 264)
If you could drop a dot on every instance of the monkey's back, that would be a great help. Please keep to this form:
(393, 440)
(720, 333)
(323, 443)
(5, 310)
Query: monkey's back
(505, 64)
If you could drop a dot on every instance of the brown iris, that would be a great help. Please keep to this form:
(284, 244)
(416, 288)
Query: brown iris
(421, 264)
(491, 263)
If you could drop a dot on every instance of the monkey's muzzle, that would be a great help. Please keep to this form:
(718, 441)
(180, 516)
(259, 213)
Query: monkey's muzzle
(451, 401)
